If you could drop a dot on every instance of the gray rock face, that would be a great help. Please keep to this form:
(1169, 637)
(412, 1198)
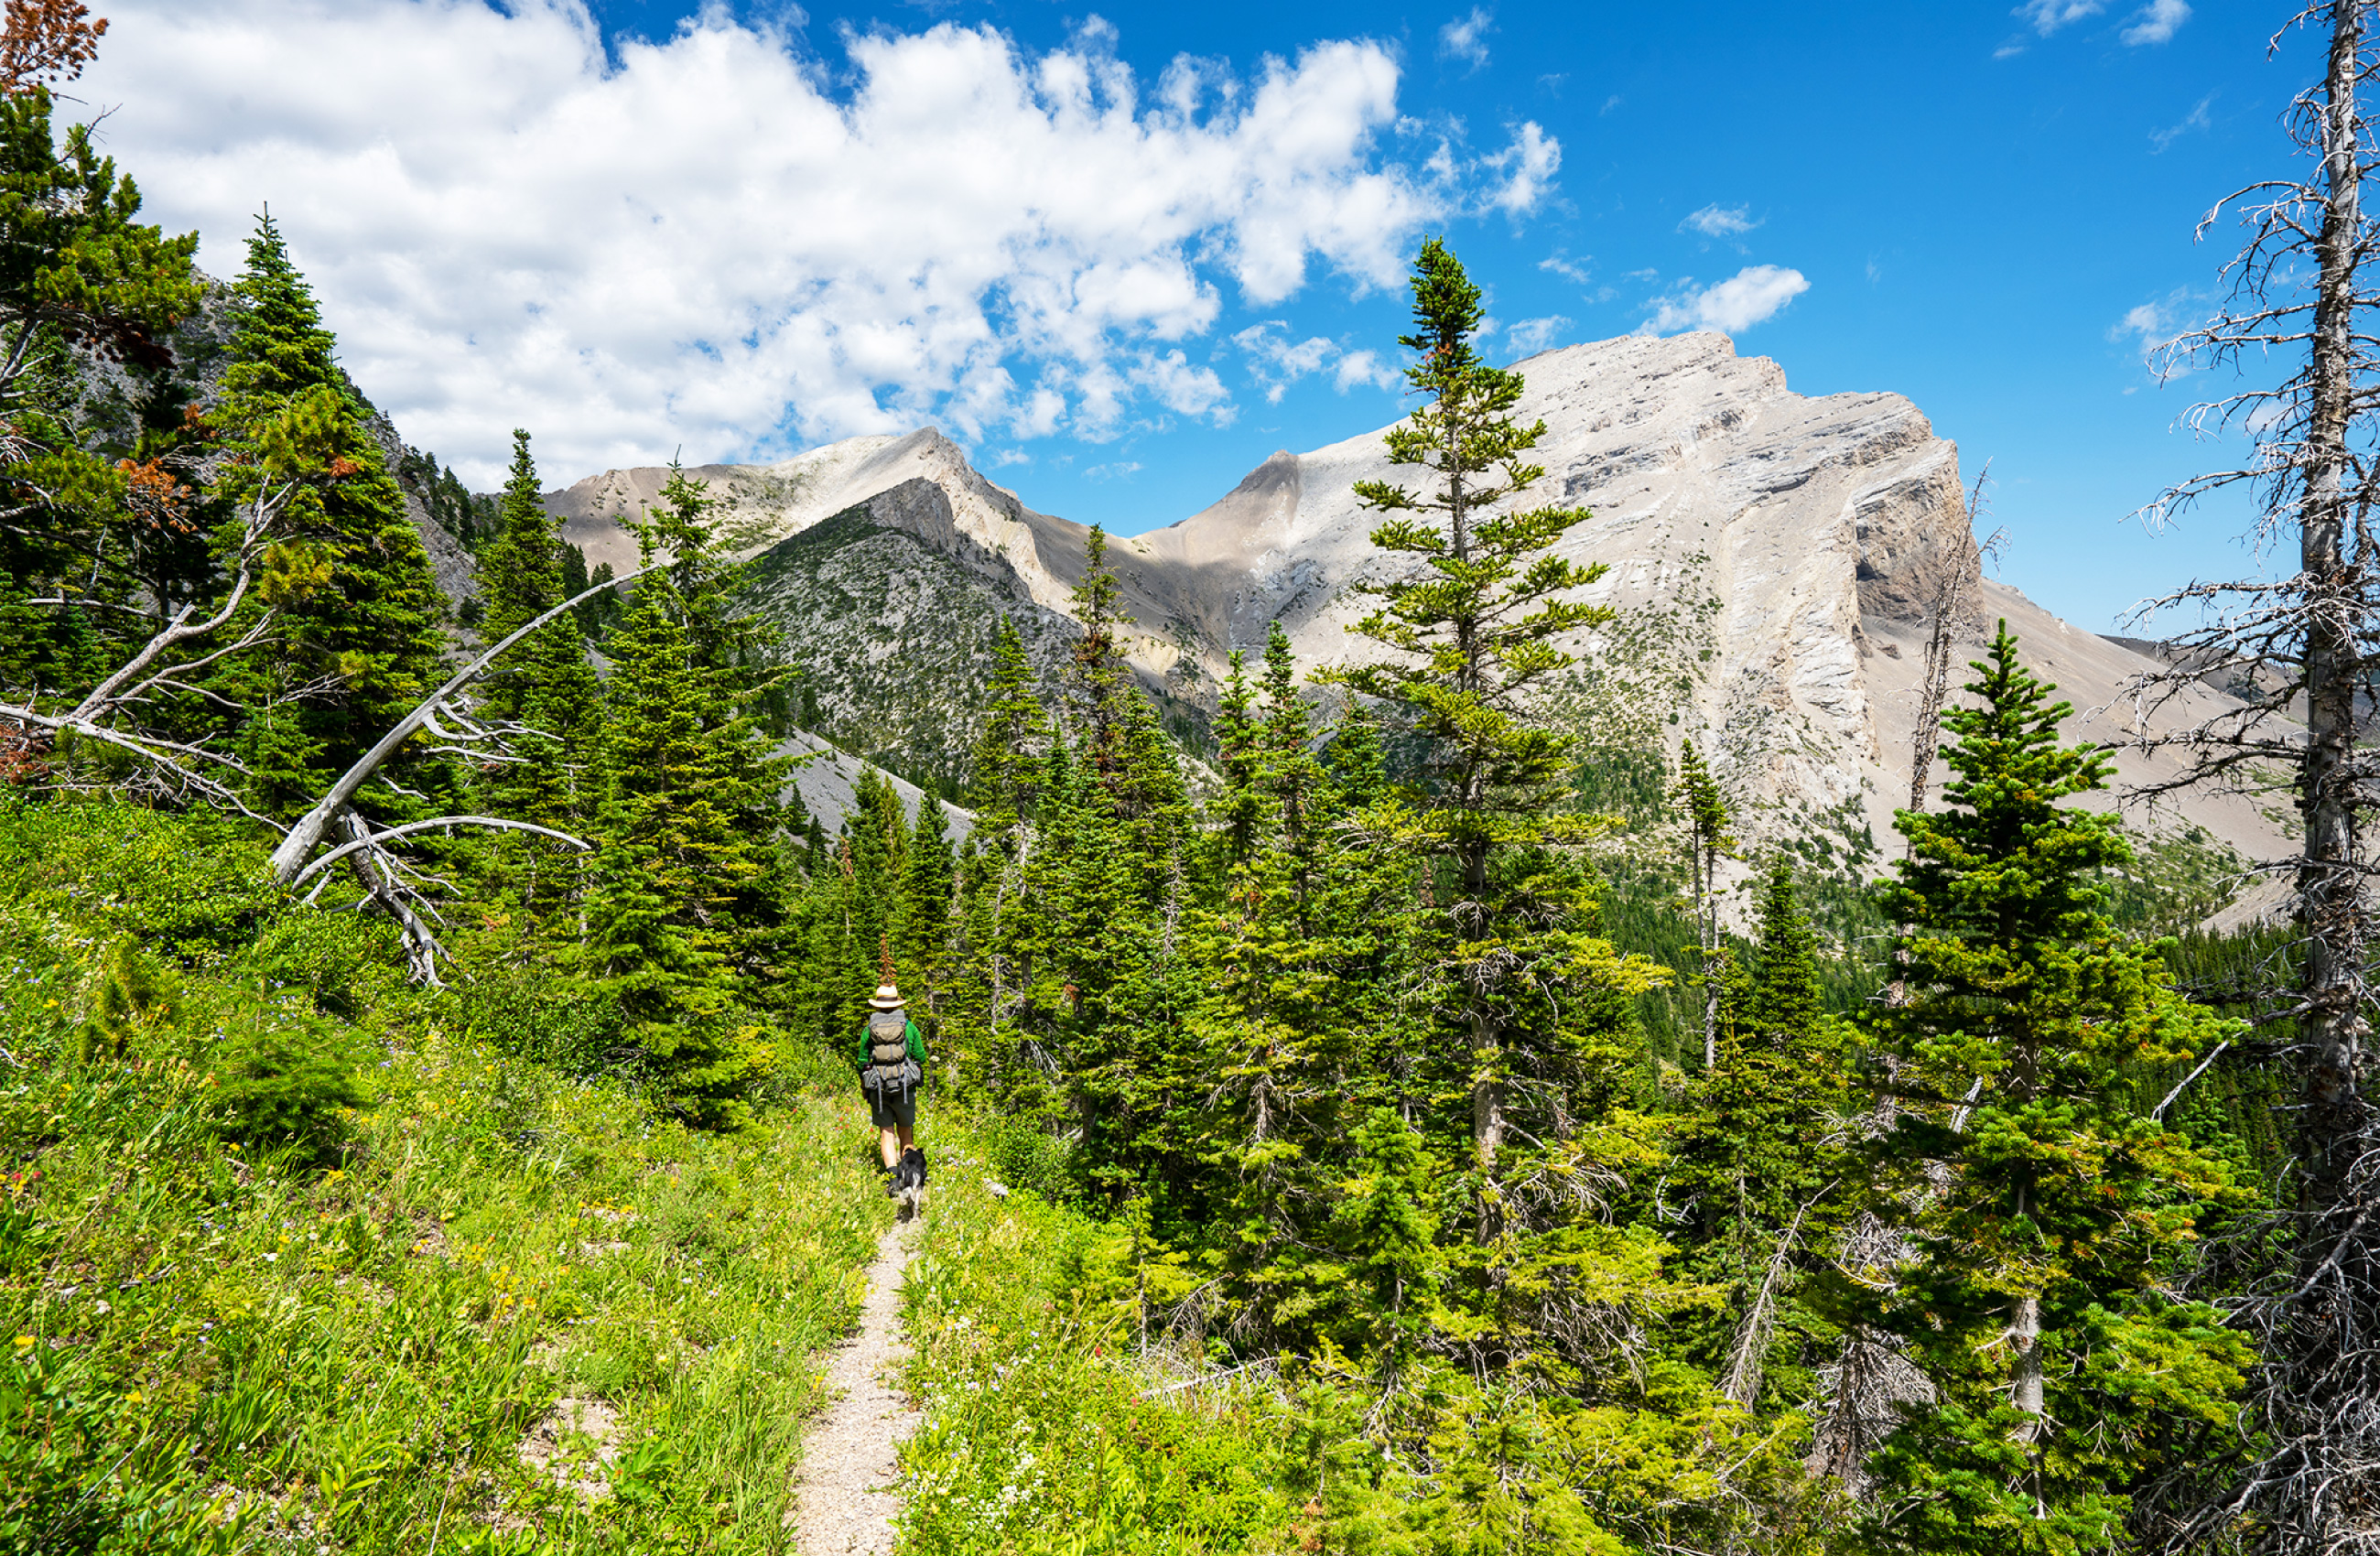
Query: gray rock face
(1773, 557)
(827, 780)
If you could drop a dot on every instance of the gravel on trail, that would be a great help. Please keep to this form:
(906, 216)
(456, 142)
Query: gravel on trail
(850, 1472)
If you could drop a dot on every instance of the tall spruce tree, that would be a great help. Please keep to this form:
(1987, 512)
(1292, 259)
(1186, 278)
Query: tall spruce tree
(548, 686)
(357, 606)
(1472, 634)
(1102, 677)
(2046, 1211)
(1310, 958)
(1015, 736)
(681, 899)
(1763, 1154)
(1239, 750)
(547, 697)
(922, 933)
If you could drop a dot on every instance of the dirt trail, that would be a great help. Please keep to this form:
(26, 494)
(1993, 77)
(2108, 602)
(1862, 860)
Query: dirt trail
(845, 1504)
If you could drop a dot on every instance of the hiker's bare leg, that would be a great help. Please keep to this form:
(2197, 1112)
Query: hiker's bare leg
(891, 1141)
(908, 1137)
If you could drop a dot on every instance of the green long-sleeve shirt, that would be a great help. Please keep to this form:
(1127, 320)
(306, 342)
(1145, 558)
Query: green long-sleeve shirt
(867, 1045)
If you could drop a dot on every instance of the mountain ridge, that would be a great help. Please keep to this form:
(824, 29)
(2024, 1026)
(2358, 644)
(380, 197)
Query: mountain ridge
(1774, 558)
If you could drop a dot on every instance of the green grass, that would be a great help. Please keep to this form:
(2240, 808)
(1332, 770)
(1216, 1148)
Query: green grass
(1048, 1428)
(342, 1342)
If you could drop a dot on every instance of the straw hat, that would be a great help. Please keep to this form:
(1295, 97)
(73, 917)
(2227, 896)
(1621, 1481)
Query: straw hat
(887, 997)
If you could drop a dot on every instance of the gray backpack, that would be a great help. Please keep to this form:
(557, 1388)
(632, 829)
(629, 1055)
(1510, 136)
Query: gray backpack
(890, 1068)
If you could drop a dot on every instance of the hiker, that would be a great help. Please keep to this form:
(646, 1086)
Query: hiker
(892, 1064)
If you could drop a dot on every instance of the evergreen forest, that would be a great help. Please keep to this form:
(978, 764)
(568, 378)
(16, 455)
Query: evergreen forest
(427, 1107)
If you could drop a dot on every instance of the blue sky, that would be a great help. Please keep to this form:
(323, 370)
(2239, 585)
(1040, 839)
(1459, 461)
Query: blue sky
(1978, 201)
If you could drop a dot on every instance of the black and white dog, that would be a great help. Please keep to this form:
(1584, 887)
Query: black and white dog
(909, 1183)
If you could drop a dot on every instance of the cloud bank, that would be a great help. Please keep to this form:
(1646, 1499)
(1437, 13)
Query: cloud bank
(721, 243)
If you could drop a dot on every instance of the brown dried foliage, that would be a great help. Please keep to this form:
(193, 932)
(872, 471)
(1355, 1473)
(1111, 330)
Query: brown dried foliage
(46, 41)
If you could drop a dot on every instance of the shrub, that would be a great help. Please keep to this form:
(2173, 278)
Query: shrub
(337, 960)
(284, 1077)
(560, 1022)
(1024, 1154)
(131, 993)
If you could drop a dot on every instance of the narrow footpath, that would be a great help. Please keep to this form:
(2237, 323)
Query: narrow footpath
(848, 1494)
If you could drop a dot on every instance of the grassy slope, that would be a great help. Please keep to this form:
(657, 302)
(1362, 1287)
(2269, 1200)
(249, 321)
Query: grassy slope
(1049, 1428)
(212, 1346)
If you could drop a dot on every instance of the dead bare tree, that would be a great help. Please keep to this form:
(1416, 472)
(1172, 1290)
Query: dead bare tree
(1872, 1379)
(1747, 1357)
(1949, 610)
(2299, 652)
(202, 775)
(302, 839)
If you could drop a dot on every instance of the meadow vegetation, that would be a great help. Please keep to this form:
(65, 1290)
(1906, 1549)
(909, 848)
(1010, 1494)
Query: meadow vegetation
(300, 1257)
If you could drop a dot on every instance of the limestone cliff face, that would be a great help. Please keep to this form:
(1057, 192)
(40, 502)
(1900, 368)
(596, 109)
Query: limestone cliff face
(1758, 526)
(1773, 557)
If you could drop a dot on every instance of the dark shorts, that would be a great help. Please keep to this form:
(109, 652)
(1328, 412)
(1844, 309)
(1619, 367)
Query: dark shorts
(894, 1107)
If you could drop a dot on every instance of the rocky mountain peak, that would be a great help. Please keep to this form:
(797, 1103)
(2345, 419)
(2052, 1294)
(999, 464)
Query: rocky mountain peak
(1774, 556)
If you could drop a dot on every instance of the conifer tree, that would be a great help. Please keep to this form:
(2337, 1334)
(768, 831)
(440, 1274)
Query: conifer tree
(548, 687)
(81, 271)
(1300, 1033)
(658, 925)
(681, 900)
(546, 697)
(357, 605)
(1763, 1153)
(2047, 1213)
(927, 880)
(1293, 776)
(1016, 735)
(1101, 675)
(520, 569)
(1706, 842)
(1240, 754)
(1471, 635)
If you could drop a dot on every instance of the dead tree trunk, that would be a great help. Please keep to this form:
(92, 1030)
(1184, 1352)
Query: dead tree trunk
(303, 838)
(2299, 291)
(1950, 611)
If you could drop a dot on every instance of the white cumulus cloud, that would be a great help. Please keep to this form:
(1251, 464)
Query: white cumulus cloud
(2048, 16)
(723, 243)
(1276, 361)
(1532, 336)
(1364, 368)
(2157, 22)
(1733, 305)
(1567, 268)
(1465, 38)
(1525, 170)
(1719, 221)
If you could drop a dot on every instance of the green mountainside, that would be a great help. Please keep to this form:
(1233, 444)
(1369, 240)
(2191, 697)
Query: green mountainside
(892, 636)
(893, 641)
